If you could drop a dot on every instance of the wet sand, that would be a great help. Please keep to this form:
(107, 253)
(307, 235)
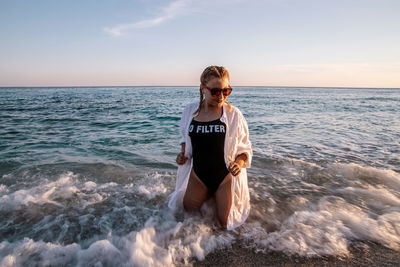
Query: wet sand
(361, 254)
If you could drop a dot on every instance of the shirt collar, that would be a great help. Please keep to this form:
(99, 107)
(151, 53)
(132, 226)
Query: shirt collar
(224, 107)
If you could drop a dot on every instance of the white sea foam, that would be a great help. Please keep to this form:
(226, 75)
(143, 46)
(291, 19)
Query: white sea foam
(380, 198)
(89, 185)
(389, 178)
(326, 229)
(55, 193)
(177, 242)
(3, 189)
(302, 163)
(100, 253)
(107, 185)
(366, 208)
(312, 225)
(161, 242)
(28, 252)
(151, 186)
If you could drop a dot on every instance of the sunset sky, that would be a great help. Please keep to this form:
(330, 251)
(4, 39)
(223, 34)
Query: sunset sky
(353, 43)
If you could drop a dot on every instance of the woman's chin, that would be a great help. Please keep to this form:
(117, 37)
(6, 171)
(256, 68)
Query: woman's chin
(215, 103)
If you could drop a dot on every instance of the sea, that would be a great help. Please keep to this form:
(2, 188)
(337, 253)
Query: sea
(86, 172)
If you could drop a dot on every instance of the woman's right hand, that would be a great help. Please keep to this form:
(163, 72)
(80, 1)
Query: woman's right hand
(181, 159)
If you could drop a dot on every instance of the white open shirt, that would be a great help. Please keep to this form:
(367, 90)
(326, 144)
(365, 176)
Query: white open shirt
(236, 142)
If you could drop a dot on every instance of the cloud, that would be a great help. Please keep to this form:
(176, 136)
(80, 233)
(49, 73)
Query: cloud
(173, 10)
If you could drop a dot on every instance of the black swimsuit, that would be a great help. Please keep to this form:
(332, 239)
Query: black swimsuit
(208, 139)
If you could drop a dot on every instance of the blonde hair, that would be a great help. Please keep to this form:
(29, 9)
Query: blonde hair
(212, 72)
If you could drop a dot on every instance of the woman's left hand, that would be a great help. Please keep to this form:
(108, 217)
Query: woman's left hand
(236, 167)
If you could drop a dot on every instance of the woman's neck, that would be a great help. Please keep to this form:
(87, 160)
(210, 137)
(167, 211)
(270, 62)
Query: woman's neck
(212, 108)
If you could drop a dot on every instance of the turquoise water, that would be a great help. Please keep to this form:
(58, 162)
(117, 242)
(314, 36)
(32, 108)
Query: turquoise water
(89, 170)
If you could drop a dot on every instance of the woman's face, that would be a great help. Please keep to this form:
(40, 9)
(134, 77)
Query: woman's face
(215, 83)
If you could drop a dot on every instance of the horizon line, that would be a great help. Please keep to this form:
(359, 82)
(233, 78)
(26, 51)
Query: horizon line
(119, 86)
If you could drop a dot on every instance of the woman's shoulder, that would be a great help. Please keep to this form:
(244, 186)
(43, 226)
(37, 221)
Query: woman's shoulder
(191, 106)
(234, 110)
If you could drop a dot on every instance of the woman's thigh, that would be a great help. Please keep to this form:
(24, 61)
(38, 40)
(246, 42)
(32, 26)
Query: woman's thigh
(196, 193)
(223, 197)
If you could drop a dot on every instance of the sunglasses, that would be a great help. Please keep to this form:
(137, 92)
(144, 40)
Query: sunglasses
(217, 91)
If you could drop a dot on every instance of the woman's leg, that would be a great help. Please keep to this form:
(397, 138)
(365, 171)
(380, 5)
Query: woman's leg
(223, 197)
(196, 193)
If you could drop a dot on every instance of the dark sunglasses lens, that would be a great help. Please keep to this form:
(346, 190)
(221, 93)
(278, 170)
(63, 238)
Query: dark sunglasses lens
(218, 91)
(215, 92)
(227, 91)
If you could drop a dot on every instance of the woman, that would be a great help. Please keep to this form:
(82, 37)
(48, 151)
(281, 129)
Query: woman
(215, 152)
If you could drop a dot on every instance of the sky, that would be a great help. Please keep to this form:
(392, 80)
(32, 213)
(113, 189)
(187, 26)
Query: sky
(352, 43)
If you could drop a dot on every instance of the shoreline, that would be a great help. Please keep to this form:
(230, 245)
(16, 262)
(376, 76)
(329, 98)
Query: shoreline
(361, 254)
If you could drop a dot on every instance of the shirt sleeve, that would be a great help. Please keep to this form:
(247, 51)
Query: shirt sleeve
(244, 144)
(182, 126)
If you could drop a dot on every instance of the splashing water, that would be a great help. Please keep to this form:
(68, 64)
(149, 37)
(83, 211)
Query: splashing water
(86, 174)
